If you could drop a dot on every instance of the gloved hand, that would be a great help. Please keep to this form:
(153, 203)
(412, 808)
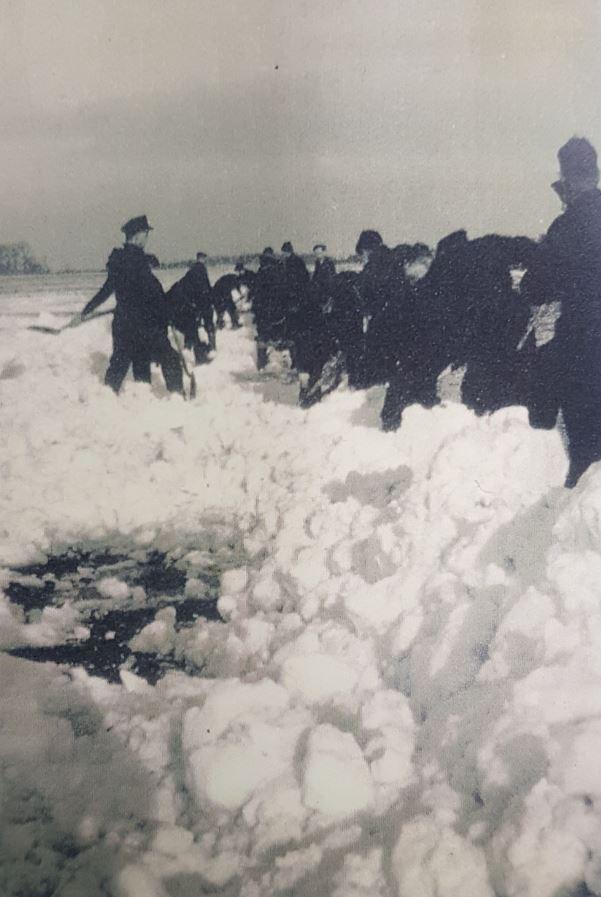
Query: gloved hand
(76, 320)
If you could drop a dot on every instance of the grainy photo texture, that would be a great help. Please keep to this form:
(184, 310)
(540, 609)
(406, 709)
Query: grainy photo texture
(300, 444)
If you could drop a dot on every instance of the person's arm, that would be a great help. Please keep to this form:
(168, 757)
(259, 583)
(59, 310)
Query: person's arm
(106, 290)
(542, 285)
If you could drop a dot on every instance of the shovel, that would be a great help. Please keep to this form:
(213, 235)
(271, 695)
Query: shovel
(41, 328)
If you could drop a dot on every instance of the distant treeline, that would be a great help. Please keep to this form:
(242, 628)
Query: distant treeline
(18, 258)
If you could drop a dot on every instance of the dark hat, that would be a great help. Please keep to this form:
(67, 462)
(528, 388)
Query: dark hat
(268, 251)
(578, 159)
(368, 239)
(135, 225)
(319, 246)
(201, 255)
(287, 247)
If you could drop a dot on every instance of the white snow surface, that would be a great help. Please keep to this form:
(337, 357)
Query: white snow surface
(404, 696)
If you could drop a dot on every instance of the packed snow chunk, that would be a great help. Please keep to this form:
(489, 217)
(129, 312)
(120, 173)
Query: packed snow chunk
(318, 677)
(276, 815)
(157, 637)
(267, 593)
(234, 581)
(173, 841)
(195, 588)
(552, 848)
(136, 881)
(327, 662)
(388, 720)
(242, 739)
(561, 694)
(431, 860)
(295, 865)
(576, 767)
(228, 775)
(111, 587)
(336, 780)
(361, 876)
(309, 569)
(577, 577)
(229, 702)
(377, 606)
(497, 461)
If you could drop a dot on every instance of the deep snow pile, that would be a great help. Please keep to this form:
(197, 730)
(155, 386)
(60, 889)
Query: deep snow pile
(404, 696)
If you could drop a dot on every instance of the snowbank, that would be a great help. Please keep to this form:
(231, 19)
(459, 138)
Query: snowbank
(403, 695)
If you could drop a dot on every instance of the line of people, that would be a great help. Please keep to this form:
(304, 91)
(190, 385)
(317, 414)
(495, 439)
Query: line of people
(536, 344)
(384, 326)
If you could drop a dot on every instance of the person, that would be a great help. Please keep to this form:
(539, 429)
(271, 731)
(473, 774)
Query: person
(191, 303)
(566, 269)
(387, 315)
(141, 314)
(497, 316)
(247, 279)
(311, 332)
(296, 283)
(323, 272)
(223, 300)
(267, 305)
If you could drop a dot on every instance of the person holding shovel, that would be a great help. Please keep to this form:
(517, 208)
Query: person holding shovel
(141, 318)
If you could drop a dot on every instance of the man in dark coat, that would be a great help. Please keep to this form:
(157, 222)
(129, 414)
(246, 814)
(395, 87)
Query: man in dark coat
(141, 314)
(497, 317)
(191, 306)
(567, 269)
(387, 308)
(268, 304)
(296, 284)
(323, 272)
(223, 300)
(247, 279)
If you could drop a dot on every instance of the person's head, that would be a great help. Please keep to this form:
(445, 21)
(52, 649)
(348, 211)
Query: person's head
(367, 242)
(578, 170)
(136, 231)
(287, 248)
(239, 267)
(319, 250)
(201, 257)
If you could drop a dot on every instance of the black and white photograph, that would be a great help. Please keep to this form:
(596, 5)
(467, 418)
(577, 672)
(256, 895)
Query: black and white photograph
(300, 448)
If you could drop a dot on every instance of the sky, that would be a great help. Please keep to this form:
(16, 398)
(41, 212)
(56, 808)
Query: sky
(234, 124)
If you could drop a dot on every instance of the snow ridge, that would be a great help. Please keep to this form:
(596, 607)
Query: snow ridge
(403, 696)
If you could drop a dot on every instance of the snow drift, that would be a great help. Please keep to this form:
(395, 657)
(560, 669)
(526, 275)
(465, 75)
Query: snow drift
(403, 694)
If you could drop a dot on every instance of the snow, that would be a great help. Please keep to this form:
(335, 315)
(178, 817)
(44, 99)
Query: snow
(403, 694)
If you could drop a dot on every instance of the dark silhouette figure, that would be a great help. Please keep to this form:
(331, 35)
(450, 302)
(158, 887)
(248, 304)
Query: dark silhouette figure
(323, 272)
(268, 305)
(141, 314)
(224, 301)
(567, 269)
(191, 306)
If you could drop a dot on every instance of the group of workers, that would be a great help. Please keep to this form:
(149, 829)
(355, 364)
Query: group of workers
(383, 324)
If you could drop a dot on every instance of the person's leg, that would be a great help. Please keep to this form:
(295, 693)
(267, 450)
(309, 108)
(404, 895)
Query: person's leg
(232, 311)
(120, 359)
(581, 407)
(261, 355)
(141, 368)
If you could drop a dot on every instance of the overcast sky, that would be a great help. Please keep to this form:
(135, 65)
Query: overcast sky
(237, 124)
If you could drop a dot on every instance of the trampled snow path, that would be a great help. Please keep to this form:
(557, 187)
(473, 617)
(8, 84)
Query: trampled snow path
(404, 698)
